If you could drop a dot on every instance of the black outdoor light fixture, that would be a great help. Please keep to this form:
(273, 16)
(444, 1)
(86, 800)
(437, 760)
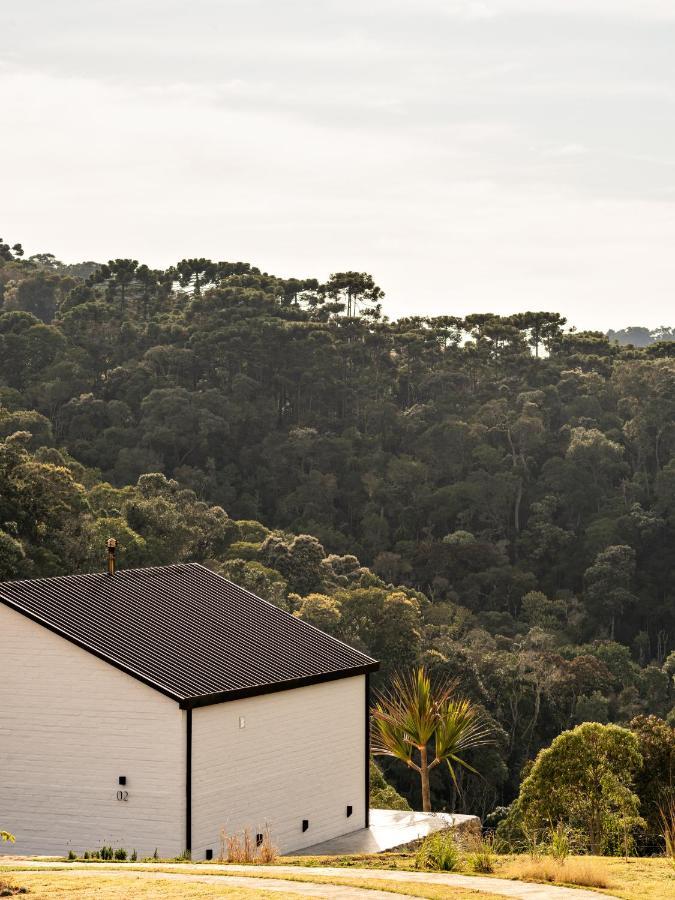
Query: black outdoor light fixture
(350, 810)
(209, 854)
(305, 824)
(123, 779)
(258, 839)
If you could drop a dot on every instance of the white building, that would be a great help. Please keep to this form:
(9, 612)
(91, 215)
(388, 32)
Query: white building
(151, 708)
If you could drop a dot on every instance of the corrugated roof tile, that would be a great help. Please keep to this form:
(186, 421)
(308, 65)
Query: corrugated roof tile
(186, 631)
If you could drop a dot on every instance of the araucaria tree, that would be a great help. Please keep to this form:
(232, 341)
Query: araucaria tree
(417, 717)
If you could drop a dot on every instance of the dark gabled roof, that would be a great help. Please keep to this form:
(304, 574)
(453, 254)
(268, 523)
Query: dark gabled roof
(186, 632)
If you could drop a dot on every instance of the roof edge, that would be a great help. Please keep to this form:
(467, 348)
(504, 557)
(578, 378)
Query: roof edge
(261, 689)
(92, 650)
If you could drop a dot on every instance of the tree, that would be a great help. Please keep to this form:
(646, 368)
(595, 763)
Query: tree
(118, 274)
(655, 782)
(8, 253)
(37, 295)
(195, 273)
(354, 287)
(542, 327)
(608, 583)
(585, 780)
(415, 713)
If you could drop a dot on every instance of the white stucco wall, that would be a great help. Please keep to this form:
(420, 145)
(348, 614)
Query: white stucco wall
(70, 725)
(301, 755)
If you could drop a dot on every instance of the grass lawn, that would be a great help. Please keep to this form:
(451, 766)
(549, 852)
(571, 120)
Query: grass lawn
(632, 879)
(61, 886)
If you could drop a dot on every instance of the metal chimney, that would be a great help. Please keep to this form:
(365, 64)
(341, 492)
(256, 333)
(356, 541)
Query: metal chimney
(111, 544)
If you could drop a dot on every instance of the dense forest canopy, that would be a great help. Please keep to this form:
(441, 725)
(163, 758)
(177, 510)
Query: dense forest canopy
(492, 496)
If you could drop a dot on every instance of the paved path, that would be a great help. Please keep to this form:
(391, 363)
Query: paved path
(245, 876)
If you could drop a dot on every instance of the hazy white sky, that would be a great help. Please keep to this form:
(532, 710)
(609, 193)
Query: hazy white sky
(472, 154)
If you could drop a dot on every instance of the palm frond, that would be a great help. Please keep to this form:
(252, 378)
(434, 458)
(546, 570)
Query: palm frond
(460, 727)
(415, 712)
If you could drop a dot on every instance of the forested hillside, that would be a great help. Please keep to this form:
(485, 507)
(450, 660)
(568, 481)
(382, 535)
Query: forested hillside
(492, 496)
(638, 336)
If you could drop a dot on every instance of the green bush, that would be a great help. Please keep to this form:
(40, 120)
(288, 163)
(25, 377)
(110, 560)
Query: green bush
(382, 794)
(121, 854)
(584, 781)
(438, 851)
(481, 856)
(560, 842)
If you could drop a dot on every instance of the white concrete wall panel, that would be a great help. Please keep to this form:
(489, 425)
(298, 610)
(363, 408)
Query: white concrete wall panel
(70, 725)
(300, 755)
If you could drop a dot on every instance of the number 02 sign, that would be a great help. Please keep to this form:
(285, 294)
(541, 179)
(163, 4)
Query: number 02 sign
(123, 795)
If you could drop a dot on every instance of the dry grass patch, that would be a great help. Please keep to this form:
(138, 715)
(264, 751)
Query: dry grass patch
(404, 860)
(414, 889)
(65, 886)
(642, 879)
(631, 879)
(411, 888)
(9, 888)
(583, 871)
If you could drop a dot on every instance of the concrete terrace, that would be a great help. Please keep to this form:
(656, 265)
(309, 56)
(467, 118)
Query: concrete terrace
(389, 828)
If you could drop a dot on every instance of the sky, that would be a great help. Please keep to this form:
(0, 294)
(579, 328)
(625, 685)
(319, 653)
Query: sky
(473, 155)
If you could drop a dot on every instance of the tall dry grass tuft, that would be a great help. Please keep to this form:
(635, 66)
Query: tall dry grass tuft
(667, 818)
(583, 871)
(267, 852)
(243, 847)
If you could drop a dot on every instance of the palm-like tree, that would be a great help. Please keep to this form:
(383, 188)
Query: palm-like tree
(415, 713)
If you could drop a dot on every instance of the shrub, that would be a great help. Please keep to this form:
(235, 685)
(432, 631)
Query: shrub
(481, 855)
(243, 848)
(584, 780)
(121, 854)
(134, 856)
(438, 851)
(382, 794)
(72, 855)
(498, 814)
(561, 842)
